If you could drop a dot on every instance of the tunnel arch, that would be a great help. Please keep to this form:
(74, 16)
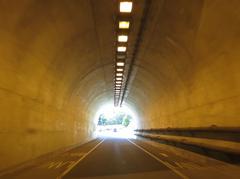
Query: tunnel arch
(57, 68)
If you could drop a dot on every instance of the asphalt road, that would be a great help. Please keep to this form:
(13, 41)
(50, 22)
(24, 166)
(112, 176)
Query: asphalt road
(119, 158)
(113, 158)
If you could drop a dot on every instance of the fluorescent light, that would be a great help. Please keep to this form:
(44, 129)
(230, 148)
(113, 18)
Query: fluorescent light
(123, 24)
(119, 74)
(119, 69)
(118, 82)
(121, 49)
(122, 38)
(126, 6)
(119, 78)
(120, 64)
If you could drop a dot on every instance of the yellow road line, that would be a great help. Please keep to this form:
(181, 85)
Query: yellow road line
(161, 161)
(79, 160)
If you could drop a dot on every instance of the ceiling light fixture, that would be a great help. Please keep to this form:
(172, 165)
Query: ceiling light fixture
(119, 78)
(119, 69)
(120, 64)
(121, 49)
(119, 74)
(122, 38)
(123, 24)
(126, 6)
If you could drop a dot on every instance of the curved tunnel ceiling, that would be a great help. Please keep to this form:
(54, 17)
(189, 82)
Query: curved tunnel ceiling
(57, 67)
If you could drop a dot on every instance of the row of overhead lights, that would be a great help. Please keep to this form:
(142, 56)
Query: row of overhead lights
(125, 10)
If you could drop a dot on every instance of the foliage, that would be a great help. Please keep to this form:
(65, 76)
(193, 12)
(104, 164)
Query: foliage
(118, 119)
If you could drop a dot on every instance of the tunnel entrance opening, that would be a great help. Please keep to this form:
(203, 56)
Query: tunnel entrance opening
(117, 122)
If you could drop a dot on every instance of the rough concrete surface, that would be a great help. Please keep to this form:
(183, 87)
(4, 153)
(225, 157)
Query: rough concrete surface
(57, 60)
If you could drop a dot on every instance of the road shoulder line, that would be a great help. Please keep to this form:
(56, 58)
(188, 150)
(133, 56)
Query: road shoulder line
(161, 161)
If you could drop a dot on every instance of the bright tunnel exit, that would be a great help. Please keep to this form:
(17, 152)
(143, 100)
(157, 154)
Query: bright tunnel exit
(118, 122)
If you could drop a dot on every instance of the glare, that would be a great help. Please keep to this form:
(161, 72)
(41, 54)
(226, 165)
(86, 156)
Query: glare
(118, 78)
(122, 38)
(115, 130)
(126, 6)
(119, 74)
(124, 24)
(118, 82)
(119, 69)
(120, 64)
(121, 49)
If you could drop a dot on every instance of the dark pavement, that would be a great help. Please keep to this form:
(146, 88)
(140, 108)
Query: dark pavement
(116, 158)
(113, 158)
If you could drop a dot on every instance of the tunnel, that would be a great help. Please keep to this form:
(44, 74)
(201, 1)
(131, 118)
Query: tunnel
(58, 68)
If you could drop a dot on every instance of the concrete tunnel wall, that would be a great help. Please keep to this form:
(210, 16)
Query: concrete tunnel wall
(188, 66)
(56, 69)
(52, 73)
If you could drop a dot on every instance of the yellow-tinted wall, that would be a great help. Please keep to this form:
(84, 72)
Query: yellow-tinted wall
(188, 67)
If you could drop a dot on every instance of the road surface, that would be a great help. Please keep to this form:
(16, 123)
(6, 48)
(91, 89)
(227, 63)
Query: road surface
(112, 158)
(119, 158)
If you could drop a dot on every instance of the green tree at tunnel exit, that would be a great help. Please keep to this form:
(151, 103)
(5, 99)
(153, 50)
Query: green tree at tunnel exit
(126, 120)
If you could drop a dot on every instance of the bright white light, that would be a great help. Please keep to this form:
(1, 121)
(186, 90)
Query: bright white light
(116, 131)
(121, 49)
(122, 38)
(118, 82)
(124, 24)
(120, 64)
(126, 6)
(119, 74)
(118, 78)
(119, 69)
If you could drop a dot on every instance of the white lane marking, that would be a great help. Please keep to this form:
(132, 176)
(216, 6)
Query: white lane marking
(77, 154)
(163, 154)
(178, 164)
(161, 161)
(79, 160)
(59, 164)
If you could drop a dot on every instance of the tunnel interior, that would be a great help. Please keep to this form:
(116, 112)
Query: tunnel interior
(57, 69)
